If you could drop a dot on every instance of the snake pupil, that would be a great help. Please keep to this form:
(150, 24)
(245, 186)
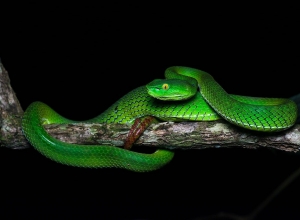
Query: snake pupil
(165, 86)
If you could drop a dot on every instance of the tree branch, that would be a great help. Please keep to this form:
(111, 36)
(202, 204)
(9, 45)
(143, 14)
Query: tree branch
(180, 135)
(10, 115)
(183, 135)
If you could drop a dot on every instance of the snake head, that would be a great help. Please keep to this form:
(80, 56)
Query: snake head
(171, 89)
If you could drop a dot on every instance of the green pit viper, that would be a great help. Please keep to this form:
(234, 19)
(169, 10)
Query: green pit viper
(181, 83)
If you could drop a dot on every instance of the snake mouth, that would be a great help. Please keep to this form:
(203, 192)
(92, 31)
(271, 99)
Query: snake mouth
(166, 97)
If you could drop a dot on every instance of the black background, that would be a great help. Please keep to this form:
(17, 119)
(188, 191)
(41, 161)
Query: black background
(81, 58)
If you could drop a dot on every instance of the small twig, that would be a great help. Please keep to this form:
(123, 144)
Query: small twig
(221, 215)
(260, 207)
(278, 190)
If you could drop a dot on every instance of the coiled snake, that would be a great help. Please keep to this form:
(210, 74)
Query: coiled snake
(181, 83)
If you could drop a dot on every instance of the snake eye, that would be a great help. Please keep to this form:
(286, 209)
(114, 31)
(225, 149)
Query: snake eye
(165, 86)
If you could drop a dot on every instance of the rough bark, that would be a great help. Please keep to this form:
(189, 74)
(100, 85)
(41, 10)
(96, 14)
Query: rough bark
(180, 135)
(11, 112)
(183, 135)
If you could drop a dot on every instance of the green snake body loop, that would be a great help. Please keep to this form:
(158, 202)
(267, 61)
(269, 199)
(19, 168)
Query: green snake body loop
(261, 114)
